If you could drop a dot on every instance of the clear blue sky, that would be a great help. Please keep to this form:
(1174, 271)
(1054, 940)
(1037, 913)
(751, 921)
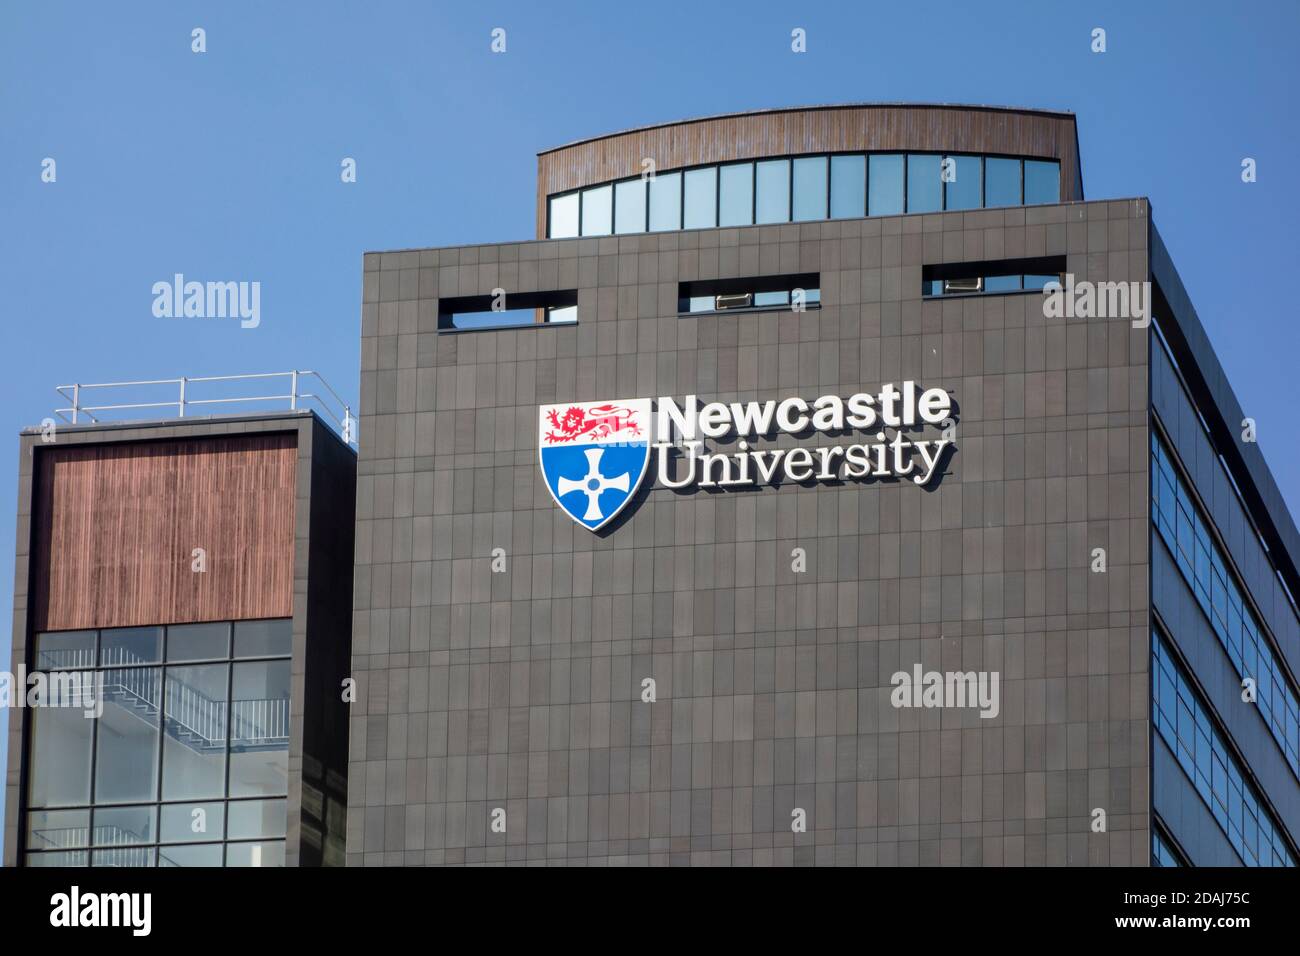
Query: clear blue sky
(225, 165)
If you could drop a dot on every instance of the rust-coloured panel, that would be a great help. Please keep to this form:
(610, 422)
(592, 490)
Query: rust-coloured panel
(115, 527)
(816, 130)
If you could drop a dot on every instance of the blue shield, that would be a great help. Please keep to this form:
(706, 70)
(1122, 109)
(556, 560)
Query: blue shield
(593, 456)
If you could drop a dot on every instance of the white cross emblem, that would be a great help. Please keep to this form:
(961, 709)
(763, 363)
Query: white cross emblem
(593, 483)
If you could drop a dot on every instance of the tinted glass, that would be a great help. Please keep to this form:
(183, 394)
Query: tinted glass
(194, 758)
(597, 206)
(75, 858)
(736, 194)
(181, 822)
(848, 187)
(250, 819)
(118, 826)
(773, 200)
(259, 735)
(1001, 182)
(1002, 283)
(563, 219)
(771, 298)
(885, 186)
(964, 189)
(266, 638)
(1036, 283)
(60, 759)
(209, 855)
(810, 174)
(63, 650)
(255, 854)
(666, 202)
(924, 183)
(123, 856)
(57, 829)
(126, 756)
(197, 642)
(559, 314)
(1042, 182)
(130, 645)
(629, 206)
(702, 198)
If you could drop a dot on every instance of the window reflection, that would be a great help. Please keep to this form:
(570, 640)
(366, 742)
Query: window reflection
(597, 206)
(666, 202)
(1042, 182)
(848, 187)
(964, 188)
(702, 198)
(563, 218)
(629, 206)
(924, 183)
(772, 203)
(736, 195)
(885, 186)
(194, 733)
(1001, 182)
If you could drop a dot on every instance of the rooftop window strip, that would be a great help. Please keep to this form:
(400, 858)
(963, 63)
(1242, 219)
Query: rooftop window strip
(763, 293)
(481, 313)
(801, 188)
(990, 277)
(1182, 525)
(1186, 724)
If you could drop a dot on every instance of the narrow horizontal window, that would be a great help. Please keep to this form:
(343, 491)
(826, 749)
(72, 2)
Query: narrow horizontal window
(520, 310)
(793, 292)
(987, 278)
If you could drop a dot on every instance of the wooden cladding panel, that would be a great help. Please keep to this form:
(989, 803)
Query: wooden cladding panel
(791, 132)
(116, 526)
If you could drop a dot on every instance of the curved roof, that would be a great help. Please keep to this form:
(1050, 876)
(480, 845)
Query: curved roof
(1065, 114)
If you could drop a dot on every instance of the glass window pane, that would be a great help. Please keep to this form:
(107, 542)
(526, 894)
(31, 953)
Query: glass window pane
(1042, 182)
(198, 642)
(773, 202)
(263, 853)
(259, 729)
(736, 194)
(964, 188)
(666, 202)
(1002, 284)
(702, 198)
(771, 298)
(180, 822)
(123, 856)
(810, 188)
(119, 826)
(264, 638)
(60, 759)
(924, 183)
(560, 314)
(597, 204)
(1036, 283)
(257, 818)
(65, 650)
(885, 185)
(124, 646)
(1001, 182)
(58, 829)
(202, 855)
(126, 755)
(563, 218)
(629, 206)
(848, 187)
(194, 738)
(65, 858)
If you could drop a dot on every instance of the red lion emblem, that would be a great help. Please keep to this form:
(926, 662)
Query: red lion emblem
(594, 424)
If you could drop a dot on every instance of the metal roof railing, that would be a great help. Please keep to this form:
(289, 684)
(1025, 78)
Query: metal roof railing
(324, 399)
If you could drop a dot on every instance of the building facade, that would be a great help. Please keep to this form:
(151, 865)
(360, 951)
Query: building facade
(183, 590)
(811, 492)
